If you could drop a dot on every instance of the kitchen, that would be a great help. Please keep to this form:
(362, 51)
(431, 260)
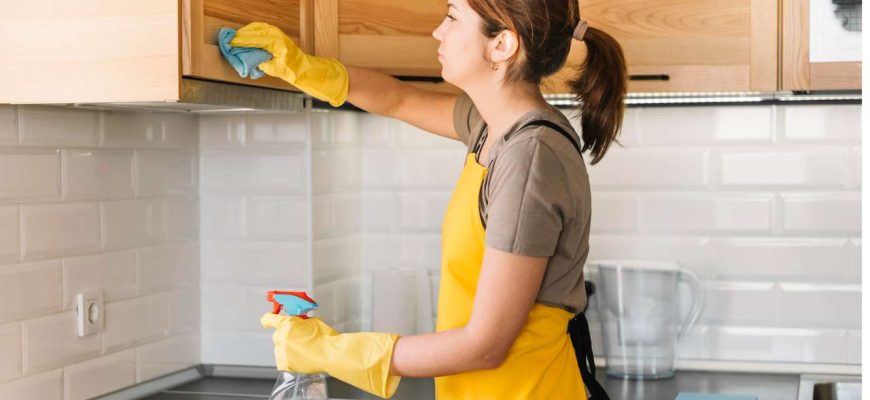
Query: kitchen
(147, 176)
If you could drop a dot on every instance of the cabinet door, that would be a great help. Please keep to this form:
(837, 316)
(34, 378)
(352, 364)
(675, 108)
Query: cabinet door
(61, 51)
(798, 71)
(204, 18)
(686, 45)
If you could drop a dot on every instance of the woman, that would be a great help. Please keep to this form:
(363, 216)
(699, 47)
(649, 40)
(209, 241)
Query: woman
(516, 231)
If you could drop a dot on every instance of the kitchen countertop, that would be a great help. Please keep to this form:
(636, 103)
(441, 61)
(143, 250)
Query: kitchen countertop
(763, 386)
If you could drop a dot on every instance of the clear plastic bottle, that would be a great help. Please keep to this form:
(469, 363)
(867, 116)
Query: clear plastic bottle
(294, 385)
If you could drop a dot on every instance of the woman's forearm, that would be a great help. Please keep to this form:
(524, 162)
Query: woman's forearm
(441, 353)
(373, 91)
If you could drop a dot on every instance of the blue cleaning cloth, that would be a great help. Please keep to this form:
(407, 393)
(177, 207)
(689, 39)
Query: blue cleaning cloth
(243, 59)
(708, 396)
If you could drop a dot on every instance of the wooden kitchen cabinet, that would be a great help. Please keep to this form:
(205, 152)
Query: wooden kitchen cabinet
(798, 72)
(101, 51)
(686, 45)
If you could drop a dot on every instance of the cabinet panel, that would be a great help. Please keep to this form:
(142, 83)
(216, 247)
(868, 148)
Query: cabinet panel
(58, 51)
(686, 45)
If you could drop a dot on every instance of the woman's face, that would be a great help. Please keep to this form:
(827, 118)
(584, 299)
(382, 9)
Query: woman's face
(462, 51)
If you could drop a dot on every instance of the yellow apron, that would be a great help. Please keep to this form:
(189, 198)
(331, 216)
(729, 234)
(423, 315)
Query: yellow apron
(541, 364)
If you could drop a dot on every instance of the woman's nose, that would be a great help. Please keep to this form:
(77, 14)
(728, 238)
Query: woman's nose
(437, 32)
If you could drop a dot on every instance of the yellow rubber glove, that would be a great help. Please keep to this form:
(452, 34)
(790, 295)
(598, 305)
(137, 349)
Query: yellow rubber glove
(323, 78)
(311, 346)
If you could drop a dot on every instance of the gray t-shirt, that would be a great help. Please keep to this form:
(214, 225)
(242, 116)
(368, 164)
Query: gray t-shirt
(535, 200)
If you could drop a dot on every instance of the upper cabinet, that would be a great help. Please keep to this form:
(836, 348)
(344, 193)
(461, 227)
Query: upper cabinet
(821, 45)
(686, 45)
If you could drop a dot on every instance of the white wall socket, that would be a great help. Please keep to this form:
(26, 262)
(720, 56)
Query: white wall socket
(89, 312)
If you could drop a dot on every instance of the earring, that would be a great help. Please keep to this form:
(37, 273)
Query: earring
(494, 66)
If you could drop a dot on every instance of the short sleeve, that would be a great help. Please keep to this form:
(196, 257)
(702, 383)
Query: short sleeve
(528, 195)
(465, 117)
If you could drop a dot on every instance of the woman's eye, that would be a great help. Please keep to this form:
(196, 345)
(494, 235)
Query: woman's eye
(450, 17)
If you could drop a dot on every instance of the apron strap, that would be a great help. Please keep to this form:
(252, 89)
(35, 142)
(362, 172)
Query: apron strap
(578, 329)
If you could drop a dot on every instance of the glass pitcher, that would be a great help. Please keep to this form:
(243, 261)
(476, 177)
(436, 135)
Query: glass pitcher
(638, 306)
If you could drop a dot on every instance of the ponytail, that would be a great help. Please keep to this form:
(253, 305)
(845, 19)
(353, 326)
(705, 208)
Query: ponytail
(600, 87)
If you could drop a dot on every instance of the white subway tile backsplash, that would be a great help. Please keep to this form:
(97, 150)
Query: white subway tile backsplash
(180, 216)
(47, 386)
(810, 305)
(381, 168)
(706, 212)
(8, 125)
(223, 217)
(167, 356)
(335, 170)
(827, 123)
(854, 347)
(854, 260)
(421, 251)
(422, 211)
(822, 213)
(165, 172)
(10, 352)
(795, 167)
(276, 218)
(29, 175)
(771, 344)
(58, 126)
(638, 167)
(167, 267)
(276, 129)
(97, 174)
(410, 136)
(378, 132)
(180, 130)
(691, 252)
(615, 212)
(336, 214)
(222, 131)
(135, 322)
(780, 259)
(336, 258)
(30, 290)
(184, 315)
(379, 250)
(9, 243)
(706, 124)
(262, 173)
(379, 212)
(223, 307)
(59, 229)
(101, 375)
(238, 348)
(130, 223)
(345, 128)
(128, 129)
(740, 303)
(52, 341)
(255, 263)
(431, 169)
(113, 273)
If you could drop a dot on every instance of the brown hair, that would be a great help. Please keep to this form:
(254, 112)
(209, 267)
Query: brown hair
(545, 29)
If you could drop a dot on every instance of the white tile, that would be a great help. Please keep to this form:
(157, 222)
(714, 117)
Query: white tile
(810, 305)
(780, 259)
(322, 128)
(379, 211)
(168, 267)
(58, 126)
(324, 222)
(379, 250)
(740, 303)
(128, 129)
(47, 386)
(853, 172)
(635, 167)
(224, 307)
(100, 376)
(165, 172)
(822, 212)
(346, 127)
(615, 212)
(180, 130)
(855, 347)
(223, 217)
(431, 168)
(180, 218)
(238, 348)
(130, 223)
(30, 290)
(797, 167)
(694, 212)
(423, 211)
(682, 125)
(222, 131)
(691, 252)
(261, 264)
(29, 175)
(336, 258)
(378, 132)
(167, 356)
(135, 321)
(277, 218)
(59, 229)
(381, 168)
(8, 125)
(335, 170)
(113, 273)
(52, 342)
(421, 251)
(394, 304)
(413, 137)
(184, 310)
(97, 174)
(10, 352)
(774, 345)
(259, 173)
(276, 129)
(821, 122)
(336, 214)
(9, 243)
(854, 260)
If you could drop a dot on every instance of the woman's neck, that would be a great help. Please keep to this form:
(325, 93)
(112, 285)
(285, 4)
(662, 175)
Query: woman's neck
(500, 107)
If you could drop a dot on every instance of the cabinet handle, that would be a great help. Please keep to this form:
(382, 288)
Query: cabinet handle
(649, 77)
(433, 79)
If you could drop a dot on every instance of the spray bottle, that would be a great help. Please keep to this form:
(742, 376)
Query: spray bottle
(293, 385)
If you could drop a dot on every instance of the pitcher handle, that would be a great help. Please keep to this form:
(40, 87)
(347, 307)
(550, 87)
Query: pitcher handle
(697, 295)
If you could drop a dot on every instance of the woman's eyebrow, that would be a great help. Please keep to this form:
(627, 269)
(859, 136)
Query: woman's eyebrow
(452, 5)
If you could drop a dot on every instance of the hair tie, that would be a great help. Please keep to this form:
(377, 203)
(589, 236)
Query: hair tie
(580, 30)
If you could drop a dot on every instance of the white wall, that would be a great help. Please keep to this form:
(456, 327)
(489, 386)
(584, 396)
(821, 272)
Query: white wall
(96, 200)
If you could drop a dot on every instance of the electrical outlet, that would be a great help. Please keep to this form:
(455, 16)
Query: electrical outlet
(89, 312)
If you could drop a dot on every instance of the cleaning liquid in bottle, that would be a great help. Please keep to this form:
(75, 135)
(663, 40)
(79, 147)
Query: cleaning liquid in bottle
(293, 385)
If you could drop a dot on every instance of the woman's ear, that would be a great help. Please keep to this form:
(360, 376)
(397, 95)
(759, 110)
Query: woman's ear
(504, 46)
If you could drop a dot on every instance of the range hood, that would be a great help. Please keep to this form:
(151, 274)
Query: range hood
(204, 96)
